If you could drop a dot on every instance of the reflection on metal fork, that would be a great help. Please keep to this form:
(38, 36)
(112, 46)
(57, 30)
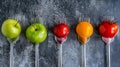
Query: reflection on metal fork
(36, 55)
(60, 55)
(84, 55)
(11, 55)
(12, 42)
(108, 55)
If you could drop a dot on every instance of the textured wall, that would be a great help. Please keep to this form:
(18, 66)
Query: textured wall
(26, 10)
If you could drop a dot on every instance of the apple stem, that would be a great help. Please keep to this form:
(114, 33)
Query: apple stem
(11, 55)
(60, 55)
(17, 23)
(37, 55)
(84, 55)
(108, 54)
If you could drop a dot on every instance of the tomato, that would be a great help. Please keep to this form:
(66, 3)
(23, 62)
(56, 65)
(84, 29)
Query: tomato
(84, 30)
(61, 30)
(108, 29)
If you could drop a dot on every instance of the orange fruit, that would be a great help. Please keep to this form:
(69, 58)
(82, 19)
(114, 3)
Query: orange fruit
(84, 30)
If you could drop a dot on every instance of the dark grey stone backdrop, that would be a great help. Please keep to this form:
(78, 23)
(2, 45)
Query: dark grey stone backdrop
(49, 10)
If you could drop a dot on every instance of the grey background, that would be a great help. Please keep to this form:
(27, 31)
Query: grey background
(49, 10)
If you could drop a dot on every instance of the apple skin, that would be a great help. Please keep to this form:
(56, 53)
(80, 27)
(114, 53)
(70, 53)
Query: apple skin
(108, 29)
(36, 33)
(61, 30)
(11, 28)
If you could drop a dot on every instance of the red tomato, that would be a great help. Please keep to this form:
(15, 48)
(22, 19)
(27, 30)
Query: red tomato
(61, 30)
(108, 29)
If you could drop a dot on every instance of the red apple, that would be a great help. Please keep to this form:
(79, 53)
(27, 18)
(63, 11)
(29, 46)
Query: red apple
(61, 30)
(108, 29)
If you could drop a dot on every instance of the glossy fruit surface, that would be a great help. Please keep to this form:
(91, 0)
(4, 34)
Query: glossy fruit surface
(11, 28)
(108, 29)
(61, 30)
(36, 33)
(84, 31)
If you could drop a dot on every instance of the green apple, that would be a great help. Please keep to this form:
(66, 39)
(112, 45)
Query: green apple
(11, 28)
(36, 33)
